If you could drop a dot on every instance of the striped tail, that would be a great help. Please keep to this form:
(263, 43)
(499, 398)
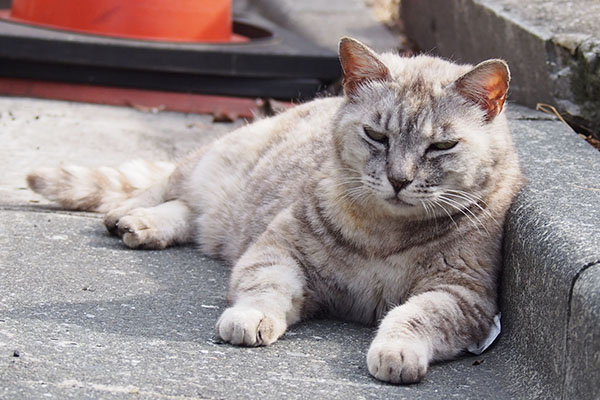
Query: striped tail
(96, 189)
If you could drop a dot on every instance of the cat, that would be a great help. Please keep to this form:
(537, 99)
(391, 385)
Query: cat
(384, 205)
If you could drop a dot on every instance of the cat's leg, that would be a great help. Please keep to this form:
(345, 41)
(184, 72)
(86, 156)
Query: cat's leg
(266, 292)
(436, 324)
(156, 217)
(168, 188)
(157, 227)
(267, 298)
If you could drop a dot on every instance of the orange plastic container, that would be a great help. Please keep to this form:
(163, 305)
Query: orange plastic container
(170, 20)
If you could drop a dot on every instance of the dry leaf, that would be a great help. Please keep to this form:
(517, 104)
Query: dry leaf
(146, 109)
(221, 116)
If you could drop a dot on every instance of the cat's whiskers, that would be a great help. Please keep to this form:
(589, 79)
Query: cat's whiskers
(354, 188)
(348, 182)
(429, 212)
(474, 199)
(469, 194)
(474, 219)
(355, 171)
(357, 194)
(431, 208)
(425, 207)
(437, 204)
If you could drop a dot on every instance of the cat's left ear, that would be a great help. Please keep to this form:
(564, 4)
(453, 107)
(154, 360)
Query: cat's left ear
(360, 65)
(486, 85)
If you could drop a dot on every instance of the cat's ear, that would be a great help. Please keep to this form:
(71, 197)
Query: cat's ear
(359, 65)
(486, 85)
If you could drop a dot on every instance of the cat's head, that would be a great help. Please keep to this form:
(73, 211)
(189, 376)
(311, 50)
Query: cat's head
(420, 134)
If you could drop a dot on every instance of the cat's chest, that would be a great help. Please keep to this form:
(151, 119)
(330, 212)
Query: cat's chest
(364, 290)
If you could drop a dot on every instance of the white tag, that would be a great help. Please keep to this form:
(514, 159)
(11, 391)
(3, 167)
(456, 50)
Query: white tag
(478, 348)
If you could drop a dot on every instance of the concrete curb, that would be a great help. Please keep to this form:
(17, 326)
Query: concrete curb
(553, 47)
(551, 307)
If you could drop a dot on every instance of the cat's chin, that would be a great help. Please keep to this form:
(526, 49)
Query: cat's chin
(395, 201)
(402, 208)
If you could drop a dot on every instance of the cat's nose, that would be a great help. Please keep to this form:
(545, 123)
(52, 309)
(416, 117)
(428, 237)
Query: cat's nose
(399, 183)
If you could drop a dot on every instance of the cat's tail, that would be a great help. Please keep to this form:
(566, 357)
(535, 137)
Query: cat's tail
(96, 189)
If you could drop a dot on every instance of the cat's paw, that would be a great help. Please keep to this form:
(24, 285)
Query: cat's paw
(139, 230)
(247, 326)
(398, 361)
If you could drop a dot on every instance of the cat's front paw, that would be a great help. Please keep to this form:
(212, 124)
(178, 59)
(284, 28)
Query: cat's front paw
(398, 361)
(247, 326)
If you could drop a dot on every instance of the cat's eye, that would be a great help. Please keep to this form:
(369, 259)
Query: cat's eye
(445, 145)
(375, 135)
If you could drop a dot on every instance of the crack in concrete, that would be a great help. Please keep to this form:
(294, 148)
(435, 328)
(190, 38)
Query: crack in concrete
(534, 119)
(568, 324)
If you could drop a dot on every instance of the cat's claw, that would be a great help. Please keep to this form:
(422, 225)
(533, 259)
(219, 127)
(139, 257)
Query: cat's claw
(111, 222)
(138, 232)
(398, 361)
(247, 326)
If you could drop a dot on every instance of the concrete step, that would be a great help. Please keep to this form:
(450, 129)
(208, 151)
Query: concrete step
(550, 297)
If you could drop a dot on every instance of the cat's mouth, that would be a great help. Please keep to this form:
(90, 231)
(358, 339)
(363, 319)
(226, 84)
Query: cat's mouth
(399, 202)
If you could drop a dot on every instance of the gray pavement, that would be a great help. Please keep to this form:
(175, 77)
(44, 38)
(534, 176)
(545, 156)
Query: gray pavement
(552, 251)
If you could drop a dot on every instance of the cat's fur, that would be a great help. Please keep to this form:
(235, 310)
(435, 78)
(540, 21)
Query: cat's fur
(319, 218)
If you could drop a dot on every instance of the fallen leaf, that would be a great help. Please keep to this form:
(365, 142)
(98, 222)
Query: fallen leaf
(148, 109)
(221, 116)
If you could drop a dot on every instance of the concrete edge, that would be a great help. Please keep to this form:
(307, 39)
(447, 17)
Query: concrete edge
(552, 240)
(313, 20)
(583, 340)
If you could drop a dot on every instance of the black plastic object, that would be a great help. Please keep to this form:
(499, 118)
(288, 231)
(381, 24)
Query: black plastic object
(274, 63)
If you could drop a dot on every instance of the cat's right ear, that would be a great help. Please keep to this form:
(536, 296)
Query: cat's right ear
(359, 65)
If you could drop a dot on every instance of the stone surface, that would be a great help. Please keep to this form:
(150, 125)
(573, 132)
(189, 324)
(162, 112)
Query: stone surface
(325, 22)
(552, 235)
(552, 47)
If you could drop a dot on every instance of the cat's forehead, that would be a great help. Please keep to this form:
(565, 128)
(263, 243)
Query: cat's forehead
(414, 115)
(418, 83)
(425, 70)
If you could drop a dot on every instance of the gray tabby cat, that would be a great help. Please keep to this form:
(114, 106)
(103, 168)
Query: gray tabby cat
(383, 206)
